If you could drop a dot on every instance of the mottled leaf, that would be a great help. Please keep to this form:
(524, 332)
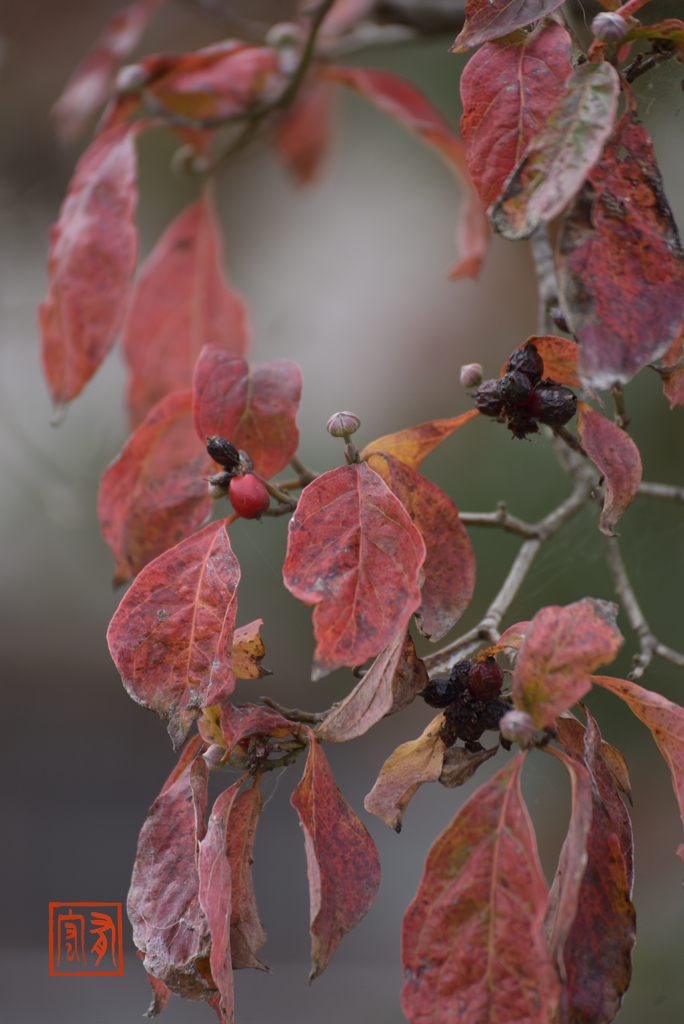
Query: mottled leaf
(342, 863)
(238, 722)
(621, 266)
(512, 638)
(255, 410)
(616, 455)
(406, 769)
(247, 933)
(556, 162)
(460, 765)
(410, 678)
(561, 648)
(560, 355)
(354, 552)
(248, 652)
(303, 136)
(507, 89)
(493, 19)
(671, 29)
(400, 100)
(415, 443)
(171, 636)
(181, 303)
(154, 493)
(93, 249)
(473, 946)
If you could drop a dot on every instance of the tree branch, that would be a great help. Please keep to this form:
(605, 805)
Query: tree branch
(662, 491)
(294, 714)
(542, 254)
(501, 519)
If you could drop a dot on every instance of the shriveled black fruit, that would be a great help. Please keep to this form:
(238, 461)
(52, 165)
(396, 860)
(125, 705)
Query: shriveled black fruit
(439, 693)
(468, 718)
(552, 404)
(485, 679)
(488, 398)
(222, 451)
(528, 361)
(458, 676)
(520, 423)
(515, 388)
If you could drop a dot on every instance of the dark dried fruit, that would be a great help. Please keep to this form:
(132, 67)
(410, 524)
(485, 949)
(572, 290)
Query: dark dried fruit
(515, 388)
(488, 398)
(528, 361)
(552, 404)
(521, 423)
(223, 452)
(469, 717)
(458, 677)
(485, 679)
(439, 693)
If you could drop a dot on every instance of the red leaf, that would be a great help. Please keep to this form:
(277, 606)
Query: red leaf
(93, 250)
(482, 891)
(492, 19)
(666, 722)
(303, 136)
(449, 565)
(407, 768)
(247, 933)
(616, 455)
(621, 266)
(415, 443)
(561, 648)
(353, 552)
(169, 927)
(91, 83)
(161, 994)
(513, 638)
(673, 382)
(256, 411)
(556, 162)
(172, 634)
(507, 90)
(399, 99)
(342, 863)
(238, 722)
(344, 16)
(560, 356)
(180, 304)
(153, 495)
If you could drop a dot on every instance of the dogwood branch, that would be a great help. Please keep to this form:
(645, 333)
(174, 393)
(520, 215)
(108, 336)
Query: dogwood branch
(662, 491)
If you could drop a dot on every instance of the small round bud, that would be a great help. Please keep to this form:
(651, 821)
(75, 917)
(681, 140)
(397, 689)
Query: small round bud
(248, 496)
(518, 727)
(609, 27)
(528, 361)
(342, 424)
(439, 693)
(552, 404)
(213, 756)
(222, 451)
(131, 78)
(485, 679)
(471, 375)
(515, 388)
(219, 484)
(488, 397)
(284, 34)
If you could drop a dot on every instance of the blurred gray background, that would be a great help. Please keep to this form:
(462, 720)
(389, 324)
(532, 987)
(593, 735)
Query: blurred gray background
(348, 279)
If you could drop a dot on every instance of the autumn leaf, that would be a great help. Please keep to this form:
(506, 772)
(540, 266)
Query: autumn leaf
(247, 933)
(171, 636)
(561, 648)
(160, 993)
(342, 863)
(671, 30)
(303, 136)
(238, 722)
(406, 769)
(615, 454)
(93, 249)
(556, 162)
(507, 89)
(354, 552)
(560, 355)
(673, 382)
(511, 639)
(412, 445)
(460, 765)
(154, 494)
(482, 889)
(255, 409)
(621, 265)
(449, 566)
(400, 100)
(493, 19)
(248, 652)
(181, 303)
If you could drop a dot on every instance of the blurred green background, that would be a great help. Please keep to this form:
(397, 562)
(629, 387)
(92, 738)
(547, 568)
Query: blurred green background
(348, 279)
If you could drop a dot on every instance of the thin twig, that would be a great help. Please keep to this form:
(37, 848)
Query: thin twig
(501, 519)
(542, 254)
(662, 491)
(641, 64)
(306, 476)
(294, 714)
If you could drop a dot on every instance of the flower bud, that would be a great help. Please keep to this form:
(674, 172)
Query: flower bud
(471, 375)
(213, 756)
(131, 78)
(518, 727)
(342, 424)
(219, 484)
(609, 27)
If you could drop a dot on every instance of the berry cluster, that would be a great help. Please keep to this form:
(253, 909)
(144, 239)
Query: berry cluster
(522, 399)
(472, 701)
(246, 493)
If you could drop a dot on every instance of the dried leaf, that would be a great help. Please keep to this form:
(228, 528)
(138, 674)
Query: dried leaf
(673, 382)
(255, 410)
(508, 88)
(171, 636)
(354, 553)
(561, 648)
(411, 446)
(481, 891)
(303, 136)
(666, 722)
(342, 863)
(493, 19)
(247, 933)
(560, 355)
(615, 454)
(410, 765)
(238, 722)
(511, 639)
(410, 678)
(460, 765)
(154, 494)
(181, 303)
(161, 994)
(619, 771)
(621, 265)
(556, 162)
(401, 100)
(93, 249)
(248, 652)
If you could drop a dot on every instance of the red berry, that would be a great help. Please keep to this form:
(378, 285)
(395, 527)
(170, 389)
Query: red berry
(248, 496)
(485, 679)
